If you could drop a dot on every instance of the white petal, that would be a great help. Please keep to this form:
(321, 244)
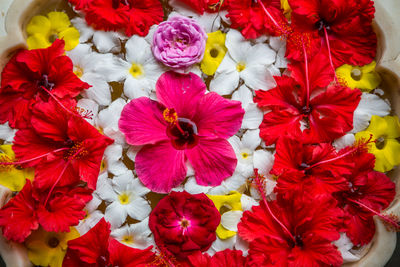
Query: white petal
(6, 133)
(192, 187)
(230, 219)
(237, 46)
(132, 152)
(123, 182)
(281, 61)
(139, 209)
(112, 68)
(113, 156)
(137, 188)
(244, 95)
(88, 223)
(263, 161)
(344, 141)
(135, 88)
(89, 107)
(149, 36)
(224, 83)
(260, 54)
(236, 144)
(108, 120)
(369, 105)
(190, 170)
(253, 117)
(137, 50)
(248, 202)
(119, 233)
(93, 204)
(116, 214)
(222, 244)
(100, 90)
(78, 53)
(276, 42)
(104, 188)
(251, 139)
(242, 245)
(85, 31)
(345, 245)
(258, 77)
(106, 42)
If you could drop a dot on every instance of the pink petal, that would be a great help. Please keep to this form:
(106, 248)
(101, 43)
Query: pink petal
(181, 92)
(160, 167)
(142, 122)
(213, 160)
(218, 117)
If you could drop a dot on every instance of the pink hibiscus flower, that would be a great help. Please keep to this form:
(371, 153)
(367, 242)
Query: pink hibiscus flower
(185, 124)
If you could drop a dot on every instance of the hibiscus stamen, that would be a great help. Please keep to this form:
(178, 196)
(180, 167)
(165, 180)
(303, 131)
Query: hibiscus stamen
(84, 113)
(390, 220)
(357, 148)
(329, 52)
(279, 27)
(164, 259)
(32, 159)
(261, 190)
(171, 117)
(5, 158)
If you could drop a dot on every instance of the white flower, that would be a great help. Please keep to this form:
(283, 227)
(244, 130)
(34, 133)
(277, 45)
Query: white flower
(253, 115)
(244, 149)
(344, 141)
(345, 246)
(263, 162)
(369, 105)
(139, 69)
(136, 235)
(85, 67)
(88, 109)
(105, 42)
(113, 159)
(243, 61)
(93, 215)
(279, 45)
(6, 133)
(124, 195)
(108, 120)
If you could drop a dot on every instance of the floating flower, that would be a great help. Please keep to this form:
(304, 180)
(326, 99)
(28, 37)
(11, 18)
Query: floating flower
(97, 248)
(6, 133)
(185, 124)
(183, 223)
(214, 53)
(139, 70)
(49, 248)
(179, 42)
(43, 31)
(249, 16)
(384, 145)
(137, 235)
(124, 196)
(85, 63)
(253, 115)
(362, 77)
(132, 16)
(27, 75)
(92, 216)
(292, 233)
(347, 28)
(11, 176)
(62, 147)
(243, 61)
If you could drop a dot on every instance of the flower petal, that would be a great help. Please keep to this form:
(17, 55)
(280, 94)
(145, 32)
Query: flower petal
(139, 209)
(107, 42)
(224, 83)
(253, 117)
(163, 172)
(258, 77)
(230, 219)
(115, 214)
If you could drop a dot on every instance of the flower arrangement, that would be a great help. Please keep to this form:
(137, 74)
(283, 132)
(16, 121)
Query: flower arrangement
(197, 133)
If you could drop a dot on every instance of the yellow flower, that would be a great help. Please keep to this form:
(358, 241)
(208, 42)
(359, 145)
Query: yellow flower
(214, 53)
(49, 248)
(384, 145)
(11, 176)
(286, 8)
(43, 31)
(231, 202)
(364, 78)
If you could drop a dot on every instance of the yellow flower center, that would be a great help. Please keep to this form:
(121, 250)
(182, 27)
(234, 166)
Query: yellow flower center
(136, 70)
(214, 52)
(78, 71)
(240, 66)
(124, 198)
(53, 242)
(245, 155)
(356, 74)
(127, 239)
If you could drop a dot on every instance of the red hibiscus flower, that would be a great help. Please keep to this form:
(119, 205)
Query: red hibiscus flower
(62, 147)
(27, 74)
(252, 20)
(343, 25)
(183, 223)
(225, 258)
(368, 192)
(185, 124)
(205, 5)
(306, 106)
(133, 16)
(314, 170)
(31, 208)
(292, 233)
(97, 249)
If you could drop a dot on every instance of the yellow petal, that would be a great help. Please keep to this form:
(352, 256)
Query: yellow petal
(37, 41)
(369, 81)
(286, 8)
(71, 38)
(233, 200)
(392, 151)
(369, 67)
(38, 25)
(393, 127)
(223, 233)
(59, 21)
(214, 52)
(381, 163)
(378, 126)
